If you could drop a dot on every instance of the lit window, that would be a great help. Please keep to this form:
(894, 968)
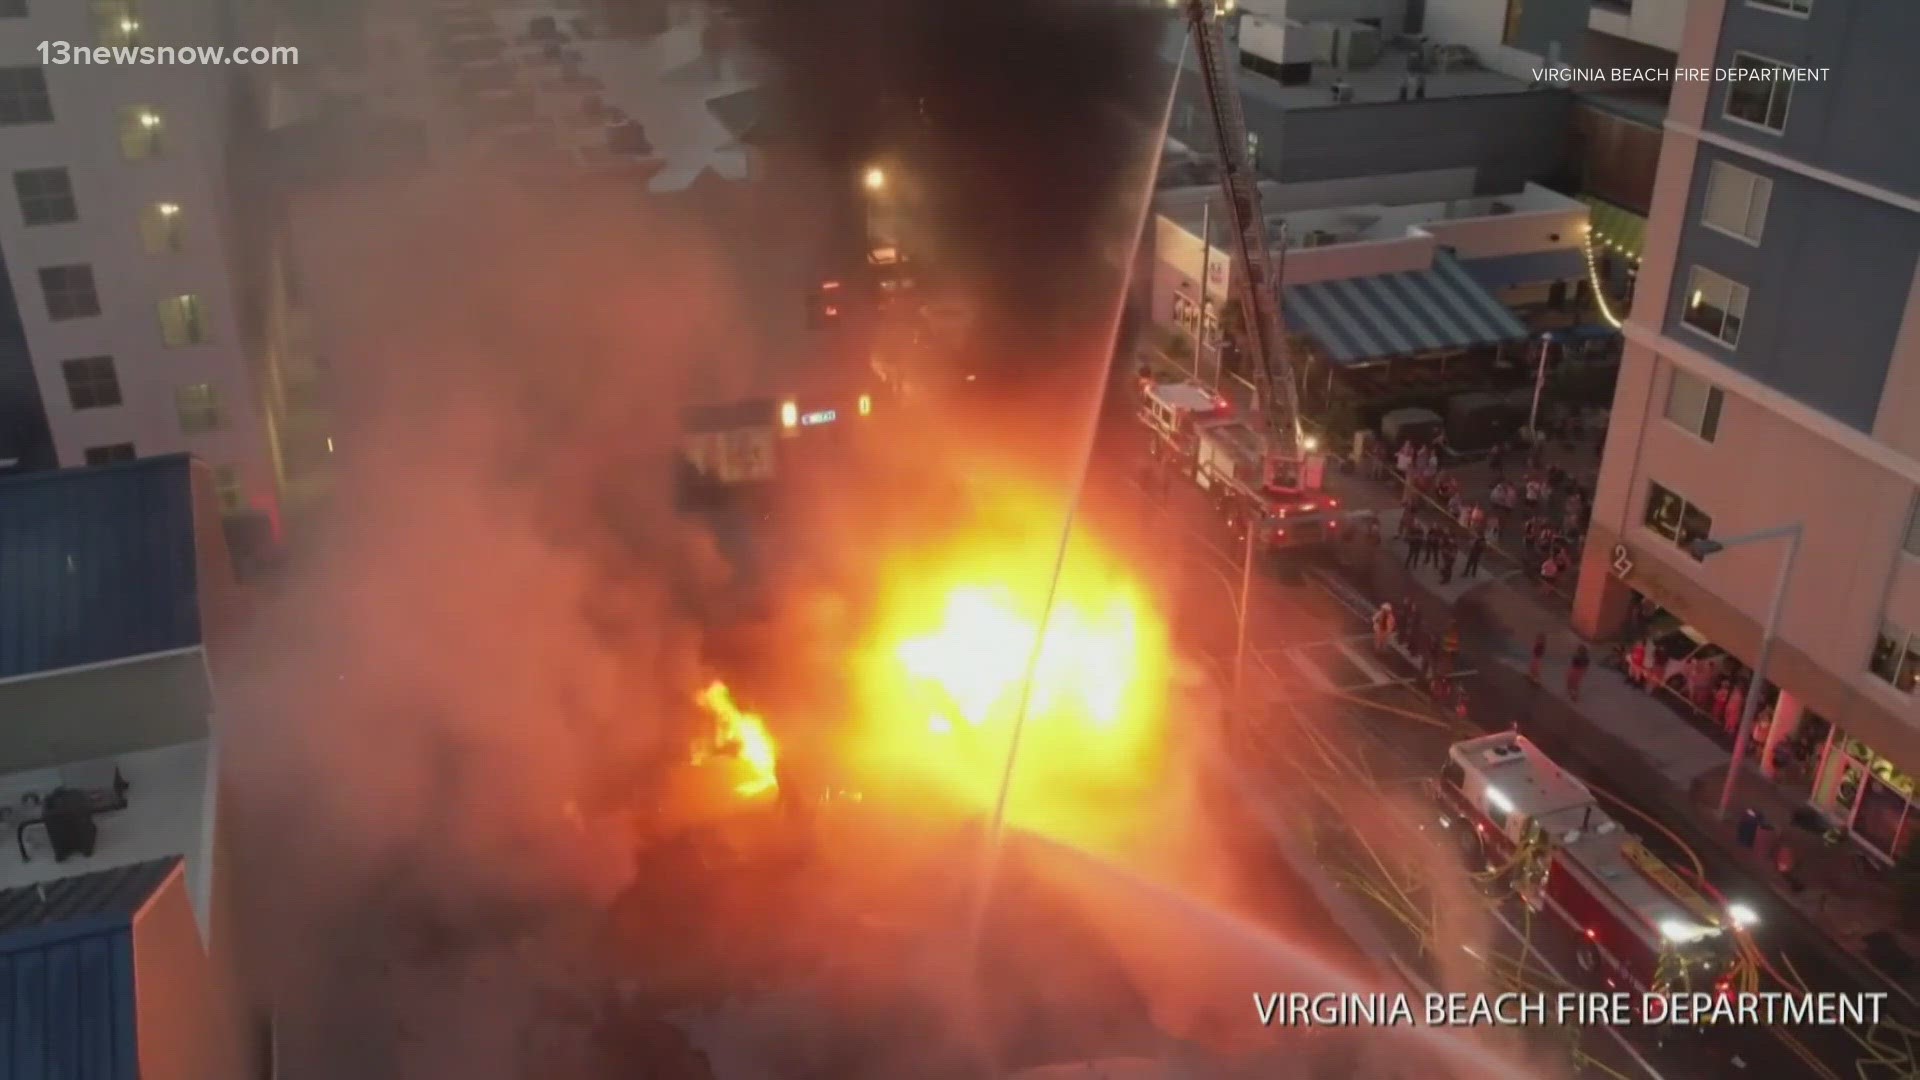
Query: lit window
(226, 483)
(112, 454)
(69, 292)
(182, 322)
(1761, 95)
(142, 133)
(1737, 201)
(1674, 518)
(1896, 657)
(199, 407)
(46, 196)
(92, 382)
(1716, 306)
(1694, 404)
(161, 230)
(1789, 7)
(116, 22)
(23, 96)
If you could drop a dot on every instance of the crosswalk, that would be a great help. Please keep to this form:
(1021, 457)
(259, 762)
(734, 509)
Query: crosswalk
(1345, 664)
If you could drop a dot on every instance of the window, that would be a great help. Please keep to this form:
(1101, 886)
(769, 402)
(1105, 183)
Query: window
(1716, 306)
(69, 292)
(1790, 7)
(1761, 95)
(1896, 658)
(91, 382)
(141, 133)
(110, 455)
(199, 406)
(1737, 201)
(161, 230)
(1694, 405)
(1912, 542)
(23, 96)
(116, 22)
(182, 322)
(46, 196)
(226, 483)
(1675, 518)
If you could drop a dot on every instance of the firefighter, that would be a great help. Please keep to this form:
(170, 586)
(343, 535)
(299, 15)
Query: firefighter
(1382, 627)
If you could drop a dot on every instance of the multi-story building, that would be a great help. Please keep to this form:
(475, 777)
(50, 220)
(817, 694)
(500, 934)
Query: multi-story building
(121, 245)
(1772, 379)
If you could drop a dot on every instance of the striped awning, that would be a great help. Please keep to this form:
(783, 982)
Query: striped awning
(1615, 228)
(1421, 311)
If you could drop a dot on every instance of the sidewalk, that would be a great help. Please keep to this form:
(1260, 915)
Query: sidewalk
(1634, 739)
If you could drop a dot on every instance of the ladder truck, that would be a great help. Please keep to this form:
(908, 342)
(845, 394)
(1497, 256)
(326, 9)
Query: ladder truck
(1634, 922)
(1256, 272)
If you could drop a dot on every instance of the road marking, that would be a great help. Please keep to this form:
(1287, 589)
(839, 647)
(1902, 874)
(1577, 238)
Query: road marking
(1618, 1039)
(1310, 669)
(1373, 671)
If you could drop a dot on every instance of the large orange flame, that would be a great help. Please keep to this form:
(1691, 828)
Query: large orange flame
(941, 681)
(740, 737)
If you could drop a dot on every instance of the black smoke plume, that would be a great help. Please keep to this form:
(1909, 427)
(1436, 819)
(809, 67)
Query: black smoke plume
(1024, 130)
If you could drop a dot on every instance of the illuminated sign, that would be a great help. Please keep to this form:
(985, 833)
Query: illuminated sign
(815, 419)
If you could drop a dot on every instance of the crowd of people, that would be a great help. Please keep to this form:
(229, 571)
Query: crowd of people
(1447, 526)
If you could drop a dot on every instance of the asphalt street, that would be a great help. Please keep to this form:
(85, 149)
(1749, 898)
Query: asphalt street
(1310, 660)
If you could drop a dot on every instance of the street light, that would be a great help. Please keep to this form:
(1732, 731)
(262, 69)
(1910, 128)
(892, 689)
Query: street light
(875, 179)
(1539, 384)
(1704, 549)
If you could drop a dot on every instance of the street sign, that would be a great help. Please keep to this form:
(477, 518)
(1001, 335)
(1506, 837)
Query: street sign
(1622, 561)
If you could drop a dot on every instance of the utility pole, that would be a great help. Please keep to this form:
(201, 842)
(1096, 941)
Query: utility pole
(1240, 632)
(1539, 384)
(1206, 267)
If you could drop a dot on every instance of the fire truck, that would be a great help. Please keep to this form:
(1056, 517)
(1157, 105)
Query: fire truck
(1635, 921)
(1196, 431)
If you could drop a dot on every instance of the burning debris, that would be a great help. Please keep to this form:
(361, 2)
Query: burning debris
(740, 739)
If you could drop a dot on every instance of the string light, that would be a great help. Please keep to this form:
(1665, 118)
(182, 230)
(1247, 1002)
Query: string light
(1593, 278)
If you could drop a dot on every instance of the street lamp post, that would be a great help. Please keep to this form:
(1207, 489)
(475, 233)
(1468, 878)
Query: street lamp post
(1702, 550)
(1539, 384)
(1200, 320)
(1240, 630)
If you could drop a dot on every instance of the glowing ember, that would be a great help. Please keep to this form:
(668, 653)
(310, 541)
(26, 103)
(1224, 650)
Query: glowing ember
(740, 737)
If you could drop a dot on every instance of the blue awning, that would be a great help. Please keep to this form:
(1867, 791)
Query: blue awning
(1529, 268)
(1420, 311)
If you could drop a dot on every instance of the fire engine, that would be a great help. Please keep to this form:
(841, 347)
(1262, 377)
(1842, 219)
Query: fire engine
(1195, 430)
(1635, 921)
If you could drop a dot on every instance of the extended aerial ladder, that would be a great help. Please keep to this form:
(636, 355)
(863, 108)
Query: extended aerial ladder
(1255, 274)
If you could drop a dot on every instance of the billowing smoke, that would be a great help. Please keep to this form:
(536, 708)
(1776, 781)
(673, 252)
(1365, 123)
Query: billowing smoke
(491, 637)
(1016, 134)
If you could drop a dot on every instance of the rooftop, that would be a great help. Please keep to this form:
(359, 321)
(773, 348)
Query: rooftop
(667, 83)
(116, 893)
(1377, 221)
(1452, 72)
(168, 812)
(97, 564)
(67, 966)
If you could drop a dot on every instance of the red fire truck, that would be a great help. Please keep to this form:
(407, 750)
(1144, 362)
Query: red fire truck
(1635, 921)
(1195, 430)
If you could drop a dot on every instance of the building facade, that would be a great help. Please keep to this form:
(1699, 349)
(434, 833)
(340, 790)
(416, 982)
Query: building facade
(1772, 378)
(120, 244)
